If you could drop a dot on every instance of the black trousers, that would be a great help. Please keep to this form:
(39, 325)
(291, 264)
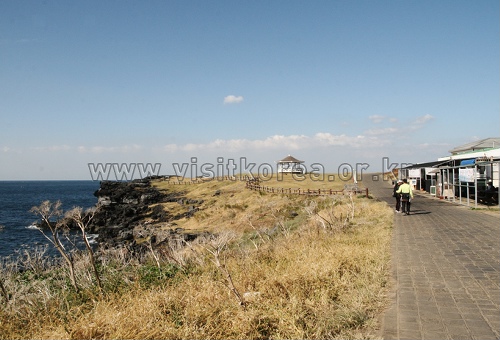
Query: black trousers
(398, 202)
(405, 206)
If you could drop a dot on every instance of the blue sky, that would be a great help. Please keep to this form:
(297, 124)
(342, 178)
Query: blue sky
(329, 82)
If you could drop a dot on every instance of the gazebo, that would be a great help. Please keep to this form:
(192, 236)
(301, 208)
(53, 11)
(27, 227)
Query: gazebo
(290, 165)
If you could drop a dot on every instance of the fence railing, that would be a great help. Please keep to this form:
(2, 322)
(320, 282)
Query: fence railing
(175, 181)
(256, 185)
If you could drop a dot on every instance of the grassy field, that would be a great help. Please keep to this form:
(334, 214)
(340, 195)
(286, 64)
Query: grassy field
(283, 180)
(271, 267)
(228, 205)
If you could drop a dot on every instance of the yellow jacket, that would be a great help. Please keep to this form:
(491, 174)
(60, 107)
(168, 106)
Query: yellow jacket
(405, 188)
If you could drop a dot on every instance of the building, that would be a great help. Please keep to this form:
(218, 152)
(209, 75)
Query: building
(291, 165)
(463, 175)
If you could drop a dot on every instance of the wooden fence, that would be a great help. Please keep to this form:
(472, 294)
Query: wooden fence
(175, 181)
(255, 185)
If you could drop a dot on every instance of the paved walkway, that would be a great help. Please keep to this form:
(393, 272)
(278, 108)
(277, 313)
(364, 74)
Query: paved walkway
(445, 270)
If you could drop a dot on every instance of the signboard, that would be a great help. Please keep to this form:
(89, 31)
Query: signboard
(466, 175)
(431, 171)
(414, 173)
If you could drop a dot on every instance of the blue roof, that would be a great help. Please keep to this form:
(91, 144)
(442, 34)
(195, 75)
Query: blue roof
(468, 161)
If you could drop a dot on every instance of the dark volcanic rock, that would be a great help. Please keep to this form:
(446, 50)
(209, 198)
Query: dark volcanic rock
(129, 209)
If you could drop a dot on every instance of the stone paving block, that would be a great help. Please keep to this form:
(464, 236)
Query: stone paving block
(482, 333)
(486, 337)
(477, 324)
(446, 270)
(408, 308)
(472, 317)
(409, 326)
(467, 306)
(457, 329)
(434, 335)
(461, 336)
(453, 323)
(433, 327)
(403, 334)
(495, 326)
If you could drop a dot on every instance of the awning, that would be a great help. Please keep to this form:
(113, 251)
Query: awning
(468, 161)
(426, 165)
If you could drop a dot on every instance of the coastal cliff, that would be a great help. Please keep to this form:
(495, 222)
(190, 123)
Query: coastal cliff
(129, 213)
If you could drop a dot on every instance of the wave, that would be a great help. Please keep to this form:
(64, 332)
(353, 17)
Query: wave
(92, 238)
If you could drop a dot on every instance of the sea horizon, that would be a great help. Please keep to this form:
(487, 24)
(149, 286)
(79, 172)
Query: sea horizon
(17, 197)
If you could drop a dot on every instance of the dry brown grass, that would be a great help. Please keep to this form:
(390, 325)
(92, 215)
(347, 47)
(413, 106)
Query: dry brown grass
(308, 181)
(298, 277)
(228, 205)
(282, 180)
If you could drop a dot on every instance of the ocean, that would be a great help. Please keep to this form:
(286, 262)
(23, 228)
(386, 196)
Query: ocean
(18, 197)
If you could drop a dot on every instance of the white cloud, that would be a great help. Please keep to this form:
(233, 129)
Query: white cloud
(416, 124)
(98, 149)
(383, 131)
(423, 119)
(170, 148)
(376, 119)
(278, 142)
(432, 146)
(109, 149)
(231, 99)
(52, 148)
(327, 139)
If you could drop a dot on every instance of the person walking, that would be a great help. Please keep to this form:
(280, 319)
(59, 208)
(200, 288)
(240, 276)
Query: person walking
(397, 196)
(406, 192)
(490, 192)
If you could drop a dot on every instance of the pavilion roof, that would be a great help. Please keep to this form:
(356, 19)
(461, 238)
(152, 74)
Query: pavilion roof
(290, 159)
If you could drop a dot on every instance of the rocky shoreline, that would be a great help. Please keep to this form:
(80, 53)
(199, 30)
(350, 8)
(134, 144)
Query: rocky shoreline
(129, 213)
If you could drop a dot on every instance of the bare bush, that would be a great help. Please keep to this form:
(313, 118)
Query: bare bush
(24, 288)
(332, 214)
(150, 239)
(3, 290)
(216, 245)
(174, 251)
(82, 220)
(47, 211)
(216, 248)
(35, 260)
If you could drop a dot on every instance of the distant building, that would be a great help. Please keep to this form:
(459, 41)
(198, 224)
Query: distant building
(469, 168)
(485, 147)
(290, 165)
(463, 175)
